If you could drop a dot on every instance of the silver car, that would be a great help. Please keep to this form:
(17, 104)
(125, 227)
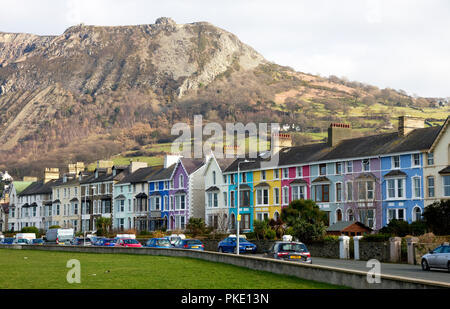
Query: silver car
(437, 258)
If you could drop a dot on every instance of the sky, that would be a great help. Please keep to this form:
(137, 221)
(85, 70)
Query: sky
(401, 44)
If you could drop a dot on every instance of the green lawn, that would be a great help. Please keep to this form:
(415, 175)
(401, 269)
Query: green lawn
(30, 269)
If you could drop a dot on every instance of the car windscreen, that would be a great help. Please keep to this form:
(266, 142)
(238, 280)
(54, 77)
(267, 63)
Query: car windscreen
(292, 247)
(163, 242)
(130, 241)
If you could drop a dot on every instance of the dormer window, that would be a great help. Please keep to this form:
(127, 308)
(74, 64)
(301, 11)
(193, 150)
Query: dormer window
(181, 181)
(366, 165)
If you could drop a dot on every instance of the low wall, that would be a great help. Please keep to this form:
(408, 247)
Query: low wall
(374, 250)
(338, 276)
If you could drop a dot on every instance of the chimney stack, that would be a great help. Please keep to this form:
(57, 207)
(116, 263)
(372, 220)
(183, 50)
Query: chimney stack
(170, 159)
(279, 141)
(135, 165)
(338, 132)
(51, 173)
(407, 124)
(76, 168)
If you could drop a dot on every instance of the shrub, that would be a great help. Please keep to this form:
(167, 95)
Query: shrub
(260, 228)
(54, 227)
(196, 226)
(437, 217)
(330, 238)
(270, 234)
(250, 235)
(396, 227)
(418, 228)
(376, 237)
(30, 229)
(306, 232)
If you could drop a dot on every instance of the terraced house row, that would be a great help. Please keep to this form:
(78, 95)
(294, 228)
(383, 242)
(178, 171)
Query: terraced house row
(371, 179)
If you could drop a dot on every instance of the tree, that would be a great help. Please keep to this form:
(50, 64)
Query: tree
(30, 229)
(437, 217)
(260, 228)
(196, 226)
(308, 222)
(103, 226)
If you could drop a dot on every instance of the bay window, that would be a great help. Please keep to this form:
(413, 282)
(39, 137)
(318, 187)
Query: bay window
(298, 193)
(262, 196)
(395, 188)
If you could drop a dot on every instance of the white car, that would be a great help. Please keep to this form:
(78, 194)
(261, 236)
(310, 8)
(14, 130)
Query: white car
(437, 258)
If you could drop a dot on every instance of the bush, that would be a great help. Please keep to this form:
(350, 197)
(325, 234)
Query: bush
(31, 229)
(250, 235)
(418, 228)
(54, 227)
(260, 228)
(270, 234)
(306, 232)
(196, 226)
(437, 217)
(376, 237)
(330, 238)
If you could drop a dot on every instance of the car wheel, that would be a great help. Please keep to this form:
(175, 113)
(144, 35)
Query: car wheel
(425, 265)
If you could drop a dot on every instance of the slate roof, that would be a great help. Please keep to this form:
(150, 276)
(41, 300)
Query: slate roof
(225, 162)
(163, 173)
(394, 173)
(342, 225)
(39, 187)
(191, 165)
(101, 178)
(445, 170)
(141, 175)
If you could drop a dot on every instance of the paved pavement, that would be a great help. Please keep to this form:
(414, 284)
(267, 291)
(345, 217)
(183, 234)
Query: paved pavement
(403, 270)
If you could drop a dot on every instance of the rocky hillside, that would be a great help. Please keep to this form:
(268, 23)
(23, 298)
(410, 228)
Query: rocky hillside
(95, 91)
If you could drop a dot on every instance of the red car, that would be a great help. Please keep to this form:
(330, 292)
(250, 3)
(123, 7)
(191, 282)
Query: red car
(128, 242)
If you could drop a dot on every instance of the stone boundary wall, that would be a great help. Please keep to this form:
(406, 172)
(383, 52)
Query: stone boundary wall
(332, 275)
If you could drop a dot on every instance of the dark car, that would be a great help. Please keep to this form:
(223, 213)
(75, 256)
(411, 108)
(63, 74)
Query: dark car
(105, 242)
(158, 243)
(81, 242)
(437, 258)
(229, 245)
(7, 241)
(193, 244)
(289, 251)
(37, 241)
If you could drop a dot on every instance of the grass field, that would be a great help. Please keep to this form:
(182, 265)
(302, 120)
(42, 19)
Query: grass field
(30, 269)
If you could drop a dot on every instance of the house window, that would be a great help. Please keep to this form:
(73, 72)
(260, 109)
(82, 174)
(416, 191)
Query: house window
(397, 214)
(298, 192)
(349, 191)
(244, 177)
(367, 217)
(299, 170)
(214, 177)
(183, 201)
(245, 198)
(232, 199)
(285, 173)
(395, 188)
(322, 169)
(416, 187)
(225, 179)
(262, 196)
(350, 216)
(396, 162)
(349, 167)
(245, 221)
(338, 168)
(416, 159)
(181, 181)
(276, 196)
(338, 192)
(225, 201)
(446, 185)
(276, 174)
(430, 180)
(285, 195)
(430, 158)
(262, 216)
(232, 179)
(322, 193)
(263, 175)
(366, 165)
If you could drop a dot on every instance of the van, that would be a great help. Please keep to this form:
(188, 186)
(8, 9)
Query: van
(59, 236)
(29, 236)
(132, 236)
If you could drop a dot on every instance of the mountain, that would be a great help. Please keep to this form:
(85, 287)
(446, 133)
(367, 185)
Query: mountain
(96, 91)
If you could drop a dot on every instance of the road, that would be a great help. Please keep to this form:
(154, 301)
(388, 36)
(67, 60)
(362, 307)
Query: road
(403, 270)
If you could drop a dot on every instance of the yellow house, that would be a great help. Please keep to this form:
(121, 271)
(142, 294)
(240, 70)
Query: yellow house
(267, 194)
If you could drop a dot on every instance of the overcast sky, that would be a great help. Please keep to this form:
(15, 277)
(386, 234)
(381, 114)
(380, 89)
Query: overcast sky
(403, 44)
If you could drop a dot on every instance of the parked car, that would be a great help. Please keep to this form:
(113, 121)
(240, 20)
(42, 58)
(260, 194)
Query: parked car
(60, 236)
(105, 242)
(79, 241)
(229, 245)
(158, 243)
(175, 238)
(289, 251)
(437, 258)
(193, 244)
(128, 242)
(37, 241)
(7, 241)
(21, 241)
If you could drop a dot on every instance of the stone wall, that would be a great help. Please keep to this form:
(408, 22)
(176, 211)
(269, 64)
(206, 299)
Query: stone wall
(421, 249)
(374, 250)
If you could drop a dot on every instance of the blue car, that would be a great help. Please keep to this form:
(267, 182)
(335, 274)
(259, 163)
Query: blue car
(105, 242)
(229, 245)
(7, 241)
(158, 243)
(193, 244)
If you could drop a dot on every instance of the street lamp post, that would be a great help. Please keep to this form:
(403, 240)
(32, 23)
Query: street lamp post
(239, 204)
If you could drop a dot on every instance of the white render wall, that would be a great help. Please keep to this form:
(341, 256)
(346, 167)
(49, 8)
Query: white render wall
(441, 160)
(196, 194)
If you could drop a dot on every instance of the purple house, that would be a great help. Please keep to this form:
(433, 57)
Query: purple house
(186, 196)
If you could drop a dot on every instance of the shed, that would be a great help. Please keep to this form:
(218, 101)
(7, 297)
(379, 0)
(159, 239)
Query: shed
(348, 228)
